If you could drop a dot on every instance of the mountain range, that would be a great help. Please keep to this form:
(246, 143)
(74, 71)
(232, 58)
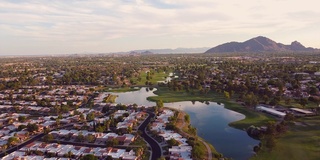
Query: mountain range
(260, 44)
(170, 51)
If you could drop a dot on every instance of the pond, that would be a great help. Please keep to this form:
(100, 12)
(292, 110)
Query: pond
(211, 121)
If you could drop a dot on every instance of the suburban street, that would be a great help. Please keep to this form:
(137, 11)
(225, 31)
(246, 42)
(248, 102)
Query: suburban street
(21, 145)
(35, 138)
(156, 150)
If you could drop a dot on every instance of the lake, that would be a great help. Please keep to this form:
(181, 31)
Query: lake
(211, 121)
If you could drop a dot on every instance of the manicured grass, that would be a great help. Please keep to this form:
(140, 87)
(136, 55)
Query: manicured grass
(155, 77)
(118, 90)
(252, 117)
(300, 142)
(111, 98)
(175, 96)
(297, 105)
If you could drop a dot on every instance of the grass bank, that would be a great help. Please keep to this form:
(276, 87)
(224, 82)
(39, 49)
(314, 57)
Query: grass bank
(302, 141)
(110, 99)
(119, 90)
(252, 117)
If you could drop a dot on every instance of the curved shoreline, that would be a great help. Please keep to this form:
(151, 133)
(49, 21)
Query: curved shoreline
(209, 150)
(251, 117)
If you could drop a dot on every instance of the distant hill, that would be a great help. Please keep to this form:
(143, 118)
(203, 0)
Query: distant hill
(169, 51)
(260, 44)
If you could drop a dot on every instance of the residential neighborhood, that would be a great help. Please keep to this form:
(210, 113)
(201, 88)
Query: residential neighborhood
(71, 103)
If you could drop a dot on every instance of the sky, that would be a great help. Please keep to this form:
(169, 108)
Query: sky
(103, 26)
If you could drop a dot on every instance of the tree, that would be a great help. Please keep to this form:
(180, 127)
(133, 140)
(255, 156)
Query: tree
(226, 94)
(313, 90)
(187, 118)
(109, 158)
(159, 103)
(89, 157)
(81, 117)
(251, 100)
(170, 126)
(4, 147)
(90, 116)
(22, 119)
(12, 141)
(105, 109)
(21, 127)
(90, 138)
(80, 137)
(161, 158)
(271, 128)
(289, 117)
(172, 142)
(48, 138)
(69, 154)
(303, 102)
(100, 129)
(65, 108)
(46, 130)
(256, 149)
(129, 129)
(32, 127)
(58, 122)
(112, 142)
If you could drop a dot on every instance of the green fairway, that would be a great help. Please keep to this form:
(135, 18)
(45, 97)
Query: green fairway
(110, 99)
(302, 141)
(154, 80)
(125, 89)
(118, 90)
(297, 105)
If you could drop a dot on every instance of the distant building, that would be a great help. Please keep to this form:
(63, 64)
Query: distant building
(271, 111)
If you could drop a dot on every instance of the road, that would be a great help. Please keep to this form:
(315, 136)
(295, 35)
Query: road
(155, 148)
(37, 137)
(2, 154)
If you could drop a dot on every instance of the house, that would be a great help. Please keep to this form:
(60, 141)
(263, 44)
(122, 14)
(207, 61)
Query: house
(302, 112)
(180, 152)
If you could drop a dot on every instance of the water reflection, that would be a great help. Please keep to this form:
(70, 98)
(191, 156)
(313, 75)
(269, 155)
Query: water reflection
(210, 119)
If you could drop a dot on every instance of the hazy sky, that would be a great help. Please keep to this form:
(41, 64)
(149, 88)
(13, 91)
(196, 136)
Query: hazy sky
(80, 26)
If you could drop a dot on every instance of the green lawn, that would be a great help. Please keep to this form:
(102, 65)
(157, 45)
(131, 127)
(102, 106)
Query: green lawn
(155, 77)
(110, 99)
(175, 96)
(252, 117)
(297, 105)
(300, 142)
(118, 90)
